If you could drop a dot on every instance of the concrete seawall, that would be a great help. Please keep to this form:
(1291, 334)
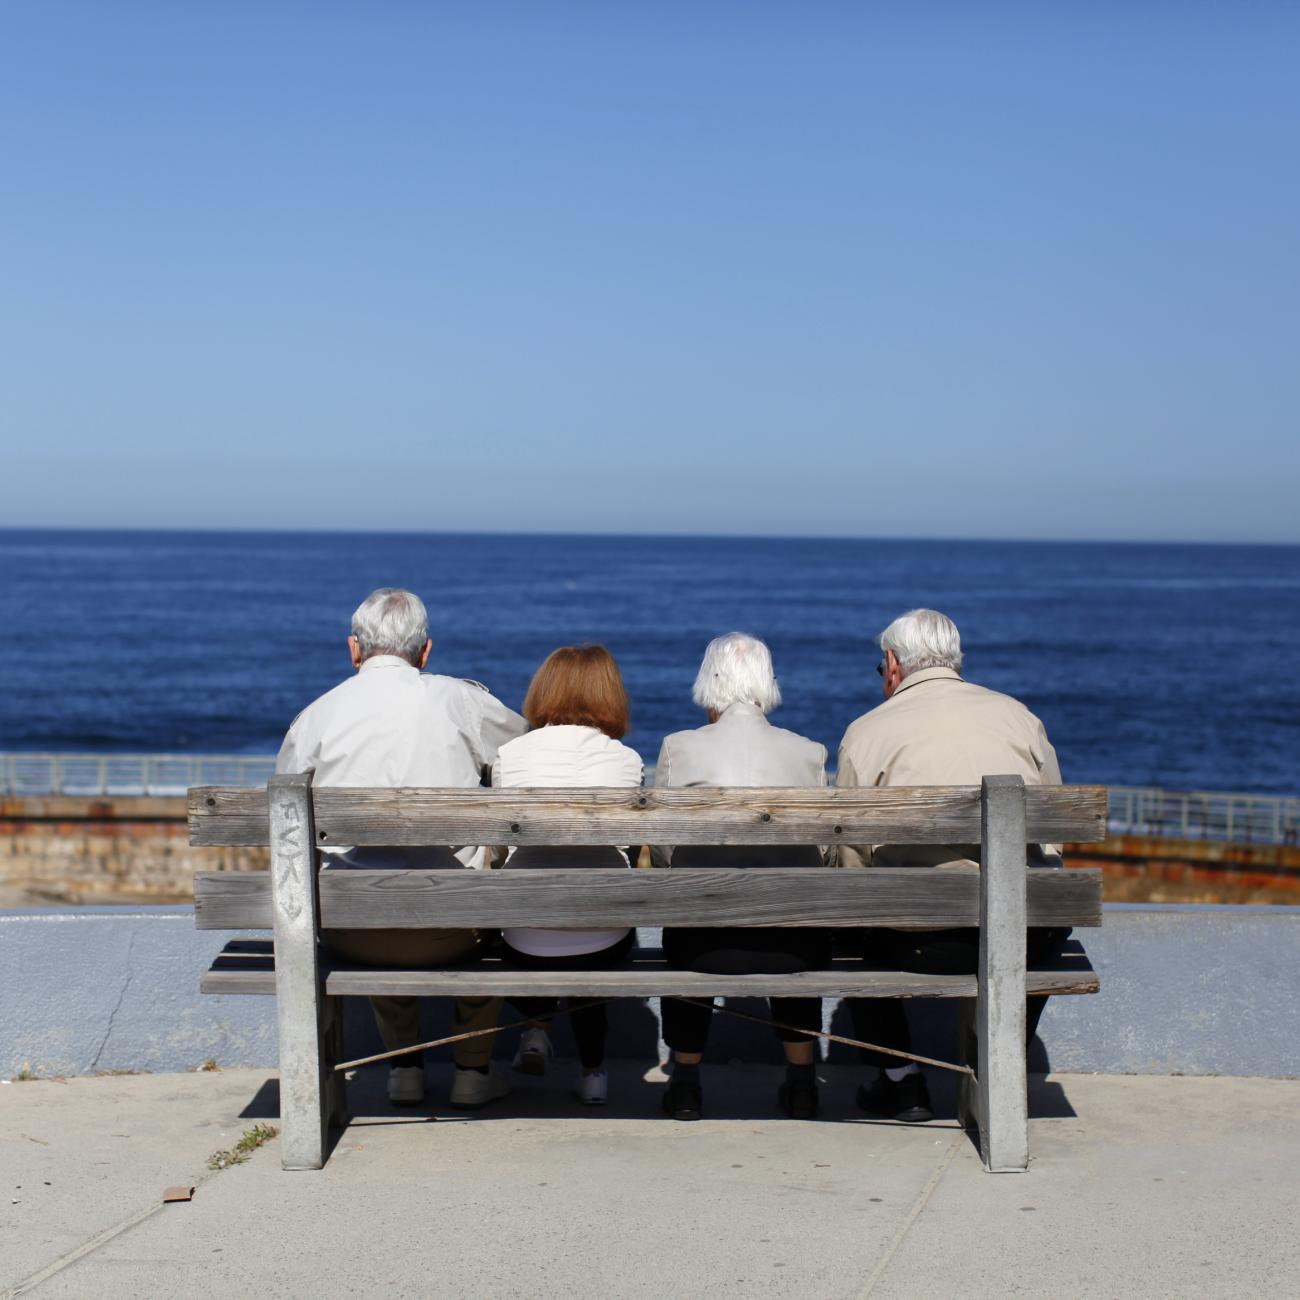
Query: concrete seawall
(1185, 990)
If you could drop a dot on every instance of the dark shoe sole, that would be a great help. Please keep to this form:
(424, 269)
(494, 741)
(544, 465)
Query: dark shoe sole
(914, 1115)
(908, 1115)
(533, 1063)
(686, 1112)
(806, 1108)
(476, 1105)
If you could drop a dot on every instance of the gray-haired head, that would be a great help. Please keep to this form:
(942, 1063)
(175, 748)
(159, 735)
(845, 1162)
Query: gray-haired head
(923, 638)
(737, 667)
(391, 621)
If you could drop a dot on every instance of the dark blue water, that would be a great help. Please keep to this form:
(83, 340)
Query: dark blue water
(1162, 665)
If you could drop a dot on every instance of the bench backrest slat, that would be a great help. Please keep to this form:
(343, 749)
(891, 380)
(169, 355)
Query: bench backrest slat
(692, 815)
(897, 897)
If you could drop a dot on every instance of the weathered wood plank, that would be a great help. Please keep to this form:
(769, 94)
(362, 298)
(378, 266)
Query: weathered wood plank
(220, 979)
(641, 984)
(646, 976)
(899, 897)
(693, 815)
(666, 983)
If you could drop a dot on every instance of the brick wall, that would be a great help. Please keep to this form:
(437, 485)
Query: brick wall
(80, 850)
(77, 850)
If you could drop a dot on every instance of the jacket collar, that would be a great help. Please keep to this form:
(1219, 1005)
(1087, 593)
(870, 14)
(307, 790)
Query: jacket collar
(742, 709)
(926, 675)
(385, 661)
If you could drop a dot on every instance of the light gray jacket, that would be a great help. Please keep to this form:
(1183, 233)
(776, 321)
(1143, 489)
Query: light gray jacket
(741, 749)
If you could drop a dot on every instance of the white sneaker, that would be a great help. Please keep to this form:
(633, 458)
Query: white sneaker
(406, 1085)
(593, 1089)
(534, 1052)
(471, 1089)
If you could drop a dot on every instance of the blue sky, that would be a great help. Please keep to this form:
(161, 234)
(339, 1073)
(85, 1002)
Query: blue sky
(904, 270)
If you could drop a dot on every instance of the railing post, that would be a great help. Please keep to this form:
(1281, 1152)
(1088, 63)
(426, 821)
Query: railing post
(1002, 1104)
(299, 996)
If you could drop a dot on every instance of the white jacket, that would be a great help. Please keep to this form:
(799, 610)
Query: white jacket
(391, 725)
(560, 757)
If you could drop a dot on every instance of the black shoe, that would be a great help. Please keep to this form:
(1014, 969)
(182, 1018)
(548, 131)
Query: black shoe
(798, 1099)
(907, 1100)
(683, 1100)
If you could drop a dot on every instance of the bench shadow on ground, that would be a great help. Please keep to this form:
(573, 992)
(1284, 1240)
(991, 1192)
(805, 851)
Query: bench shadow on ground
(742, 1072)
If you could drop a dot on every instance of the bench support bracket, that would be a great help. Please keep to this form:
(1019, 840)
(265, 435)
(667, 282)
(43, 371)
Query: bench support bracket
(1001, 1092)
(305, 1021)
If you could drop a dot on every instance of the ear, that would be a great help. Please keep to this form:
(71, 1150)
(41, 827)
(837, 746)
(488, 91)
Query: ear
(893, 673)
(424, 654)
(354, 650)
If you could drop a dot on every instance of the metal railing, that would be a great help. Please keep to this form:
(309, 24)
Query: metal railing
(1204, 815)
(128, 774)
(1134, 810)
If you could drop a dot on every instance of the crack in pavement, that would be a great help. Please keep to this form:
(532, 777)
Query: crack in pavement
(121, 996)
(922, 1200)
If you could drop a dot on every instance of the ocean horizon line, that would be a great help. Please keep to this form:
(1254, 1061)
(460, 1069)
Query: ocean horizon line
(92, 530)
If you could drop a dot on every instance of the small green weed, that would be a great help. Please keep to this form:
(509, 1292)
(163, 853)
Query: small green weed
(258, 1135)
(209, 1066)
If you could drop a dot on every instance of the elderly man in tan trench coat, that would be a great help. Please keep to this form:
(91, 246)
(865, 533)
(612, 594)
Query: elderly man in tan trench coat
(934, 728)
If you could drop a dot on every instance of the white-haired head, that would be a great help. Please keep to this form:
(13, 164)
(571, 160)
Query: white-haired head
(737, 667)
(923, 638)
(391, 621)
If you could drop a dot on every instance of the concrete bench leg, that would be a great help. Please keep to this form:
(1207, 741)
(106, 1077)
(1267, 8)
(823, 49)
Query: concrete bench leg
(300, 1002)
(1001, 1092)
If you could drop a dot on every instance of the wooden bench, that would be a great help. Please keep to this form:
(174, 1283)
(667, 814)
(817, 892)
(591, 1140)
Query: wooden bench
(296, 899)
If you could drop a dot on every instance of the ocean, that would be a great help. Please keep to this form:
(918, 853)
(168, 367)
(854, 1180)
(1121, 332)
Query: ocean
(1166, 665)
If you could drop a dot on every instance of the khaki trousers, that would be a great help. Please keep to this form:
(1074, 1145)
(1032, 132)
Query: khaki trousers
(399, 1018)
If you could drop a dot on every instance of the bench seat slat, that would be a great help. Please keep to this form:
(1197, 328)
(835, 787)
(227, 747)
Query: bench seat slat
(252, 971)
(691, 815)
(902, 898)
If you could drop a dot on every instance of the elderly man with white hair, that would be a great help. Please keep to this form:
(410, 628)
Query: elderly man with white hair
(737, 688)
(392, 725)
(934, 728)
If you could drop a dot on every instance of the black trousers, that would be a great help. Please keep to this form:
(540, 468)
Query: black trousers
(932, 952)
(590, 1023)
(742, 952)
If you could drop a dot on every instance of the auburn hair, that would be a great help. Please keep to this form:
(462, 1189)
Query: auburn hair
(579, 685)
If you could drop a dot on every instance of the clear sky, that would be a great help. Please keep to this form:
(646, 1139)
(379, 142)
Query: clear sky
(868, 269)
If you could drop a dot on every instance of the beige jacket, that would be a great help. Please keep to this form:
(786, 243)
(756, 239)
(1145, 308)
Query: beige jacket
(940, 730)
(741, 749)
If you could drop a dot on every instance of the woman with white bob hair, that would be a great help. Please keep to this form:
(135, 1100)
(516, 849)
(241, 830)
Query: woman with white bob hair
(737, 688)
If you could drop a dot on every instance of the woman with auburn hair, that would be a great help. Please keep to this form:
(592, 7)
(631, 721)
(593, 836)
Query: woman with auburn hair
(577, 708)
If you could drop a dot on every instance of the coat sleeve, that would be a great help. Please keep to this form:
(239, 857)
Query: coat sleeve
(497, 724)
(661, 855)
(292, 756)
(1049, 769)
(846, 777)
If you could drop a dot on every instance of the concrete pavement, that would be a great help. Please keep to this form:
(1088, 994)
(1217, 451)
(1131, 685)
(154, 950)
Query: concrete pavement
(1140, 1186)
